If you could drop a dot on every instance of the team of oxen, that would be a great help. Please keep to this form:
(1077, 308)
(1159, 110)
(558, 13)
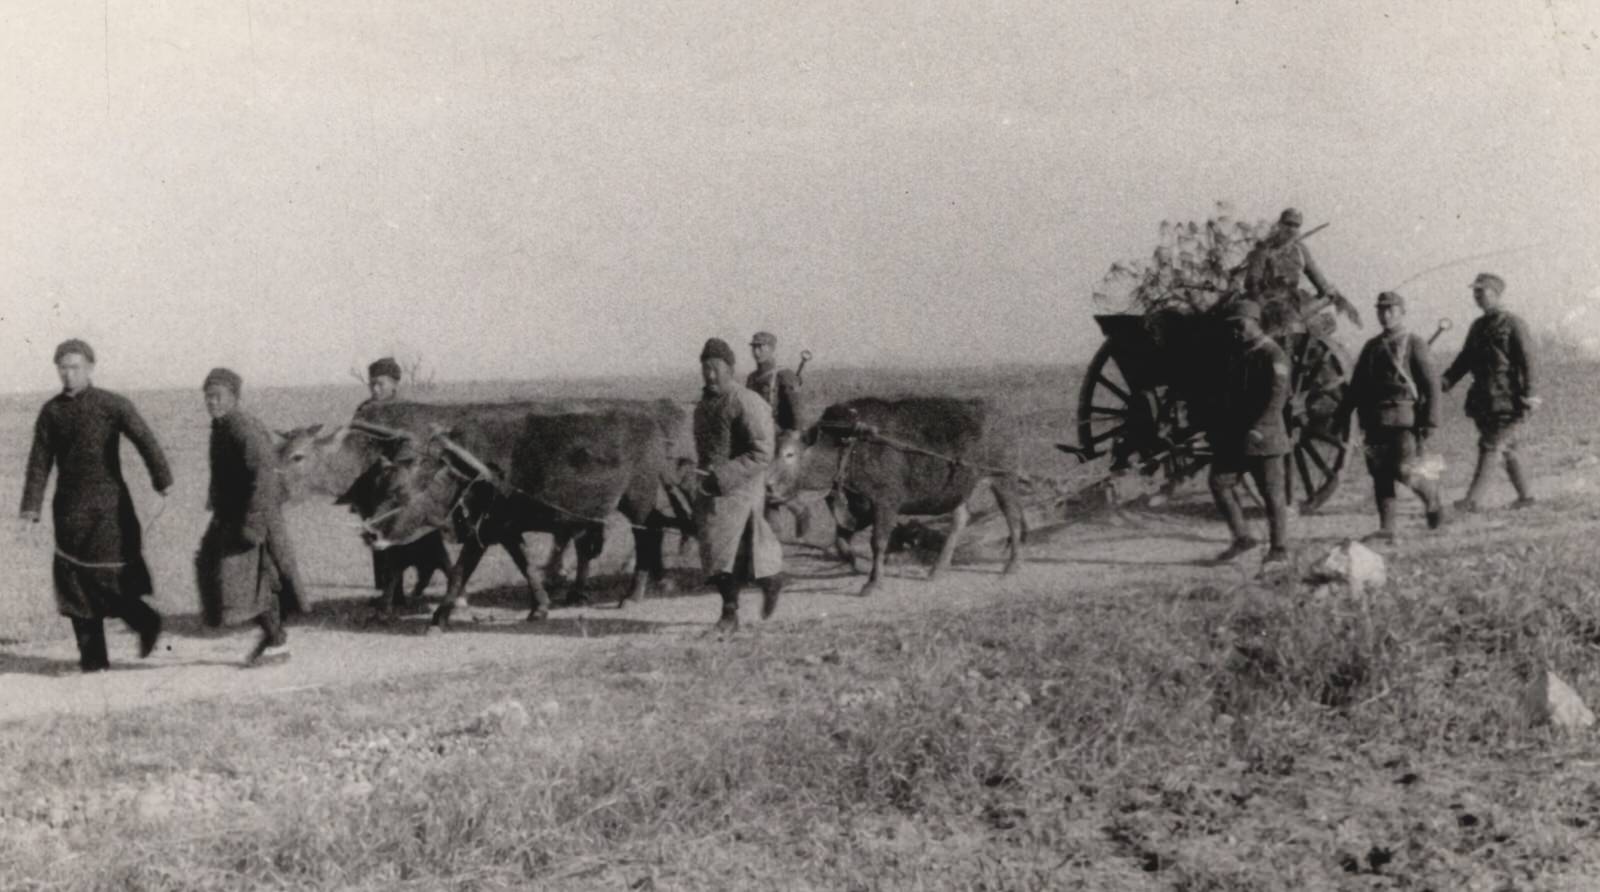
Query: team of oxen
(487, 474)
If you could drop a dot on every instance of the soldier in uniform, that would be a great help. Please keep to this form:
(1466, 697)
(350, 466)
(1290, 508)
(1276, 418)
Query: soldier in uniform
(733, 440)
(1498, 355)
(1273, 268)
(237, 576)
(1248, 434)
(428, 553)
(99, 568)
(781, 389)
(1395, 394)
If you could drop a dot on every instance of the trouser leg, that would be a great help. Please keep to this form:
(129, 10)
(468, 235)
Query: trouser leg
(728, 587)
(1514, 471)
(271, 624)
(1269, 479)
(1222, 485)
(91, 636)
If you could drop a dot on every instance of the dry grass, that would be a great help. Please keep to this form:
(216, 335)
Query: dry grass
(1196, 739)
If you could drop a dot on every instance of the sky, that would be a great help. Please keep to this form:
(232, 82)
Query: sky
(508, 189)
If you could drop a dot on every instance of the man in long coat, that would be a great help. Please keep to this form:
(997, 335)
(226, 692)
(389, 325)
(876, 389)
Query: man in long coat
(1394, 392)
(1248, 435)
(99, 568)
(1498, 354)
(238, 580)
(734, 442)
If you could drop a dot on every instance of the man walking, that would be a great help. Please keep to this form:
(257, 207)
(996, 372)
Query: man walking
(99, 568)
(1248, 434)
(1394, 393)
(781, 389)
(238, 581)
(1498, 356)
(733, 439)
(428, 553)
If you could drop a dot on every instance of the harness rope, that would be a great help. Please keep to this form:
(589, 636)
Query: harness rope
(112, 565)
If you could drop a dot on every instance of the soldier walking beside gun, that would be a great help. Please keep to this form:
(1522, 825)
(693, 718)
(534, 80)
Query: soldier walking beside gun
(1498, 357)
(99, 568)
(1394, 393)
(1249, 436)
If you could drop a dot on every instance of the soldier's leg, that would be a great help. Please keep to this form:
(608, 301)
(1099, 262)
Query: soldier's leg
(91, 636)
(1380, 452)
(1269, 477)
(1424, 484)
(1488, 449)
(1514, 469)
(727, 585)
(1223, 479)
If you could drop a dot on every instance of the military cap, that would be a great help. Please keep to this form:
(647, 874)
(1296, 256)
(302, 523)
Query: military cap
(1243, 309)
(384, 368)
(71, 346)
(763, 338)
(717, 348)
(1391, 299)
(226, 377)
(1290, 217)
(1490, 282)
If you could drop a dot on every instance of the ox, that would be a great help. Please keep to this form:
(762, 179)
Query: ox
(491, 478)
(347, 464)
(880, 458)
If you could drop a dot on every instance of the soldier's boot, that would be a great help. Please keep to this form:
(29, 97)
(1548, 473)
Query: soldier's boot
(771, 587)
(1518, 481)
(1480, 482)
(728, 587)
(1385, 533)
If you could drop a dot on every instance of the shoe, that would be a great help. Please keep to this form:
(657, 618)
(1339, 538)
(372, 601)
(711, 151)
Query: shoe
(92, 668)
(1437, 518)
(1239, 547)
(1525, 502)
(1275, 556)
(1466, 506)
(1379, 537)
(147, 638)
(266, 653)
(771, 587)
(729, 621)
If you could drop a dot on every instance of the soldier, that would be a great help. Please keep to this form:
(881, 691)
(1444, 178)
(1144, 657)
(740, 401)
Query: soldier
(428, 554)
(1395, 395)
(781, 389)
(1274, 266)
(1248, 434)
(99, 568)
(236, 575)
(1498, 356)
(733, 439)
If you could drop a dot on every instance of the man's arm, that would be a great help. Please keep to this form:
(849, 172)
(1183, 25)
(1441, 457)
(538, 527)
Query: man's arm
(155, 461)
(1521, 349)
(1355, 391)
(1314, 272)
(41, 457)
(1463, 360)
(1273, 372)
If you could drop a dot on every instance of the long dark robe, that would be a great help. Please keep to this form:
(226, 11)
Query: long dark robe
(99, 562)
(237, 578)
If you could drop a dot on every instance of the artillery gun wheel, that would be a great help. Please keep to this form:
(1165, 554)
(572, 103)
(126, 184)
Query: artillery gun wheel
(1149, 427)
(1317, 374)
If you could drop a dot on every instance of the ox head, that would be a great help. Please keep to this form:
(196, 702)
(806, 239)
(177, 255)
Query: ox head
(438, 487)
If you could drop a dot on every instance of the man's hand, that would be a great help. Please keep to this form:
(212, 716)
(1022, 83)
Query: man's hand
(706, 483)
(30, 532)
(1256, 437)
(1444, 386)
(1529, 403)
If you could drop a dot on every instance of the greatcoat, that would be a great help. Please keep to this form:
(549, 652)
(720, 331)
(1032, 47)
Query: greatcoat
(734, 439)
(99, 561)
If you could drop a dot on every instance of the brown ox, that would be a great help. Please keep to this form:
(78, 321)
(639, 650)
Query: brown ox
(880, 458)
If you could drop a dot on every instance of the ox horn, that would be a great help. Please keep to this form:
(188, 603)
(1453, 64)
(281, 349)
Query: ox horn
(464, 456)
(378, 430)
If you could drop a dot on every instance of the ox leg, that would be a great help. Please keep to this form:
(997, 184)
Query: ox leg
(648, 565)
(432, 557)
(539, 598)
(586, 546)
(958, 522)
(558, 550)
(882, 527)
(460, 572)
(1005, 496)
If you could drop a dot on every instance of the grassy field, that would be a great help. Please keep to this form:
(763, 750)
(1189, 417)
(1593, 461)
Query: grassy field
(1182, 734)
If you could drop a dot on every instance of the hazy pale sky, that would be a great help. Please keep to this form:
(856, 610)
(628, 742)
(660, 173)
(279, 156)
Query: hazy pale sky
(292, 187)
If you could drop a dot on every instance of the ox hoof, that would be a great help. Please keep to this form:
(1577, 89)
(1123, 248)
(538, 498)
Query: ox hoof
(433, 631)
(867, 590)
(538, 615)
(578, 600)
(1012, 569)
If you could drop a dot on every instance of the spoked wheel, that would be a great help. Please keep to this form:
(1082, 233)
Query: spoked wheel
(1317, 373)
(1113, 416)
(1148, 428)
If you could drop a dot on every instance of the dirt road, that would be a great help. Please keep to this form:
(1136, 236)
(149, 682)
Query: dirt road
(337, 645)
